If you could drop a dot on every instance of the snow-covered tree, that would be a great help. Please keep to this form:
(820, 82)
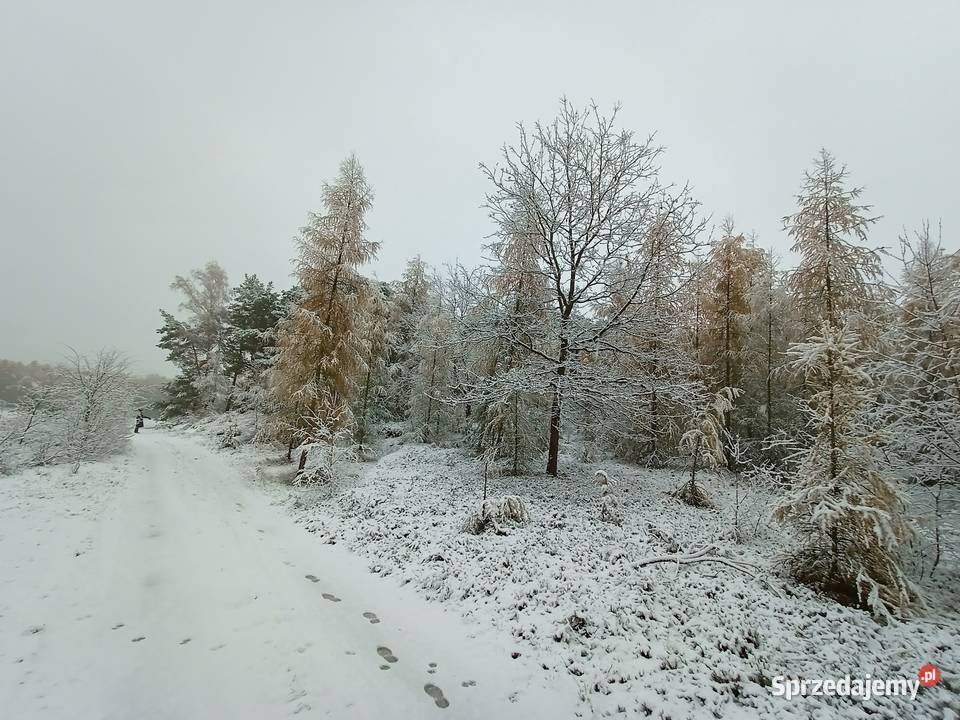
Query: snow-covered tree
(326, 428)
(849, 513)
(771, 325)
(408, 300)
(851, 519)
(503, 384)
(835, 270)
(918, 363)
(95, 398)
(320, 345)
(252, 317)
(643, 420)
(583, 196)
(704, 444)
(431, 409)
(731, 271)
(369, 405)
(196, 344)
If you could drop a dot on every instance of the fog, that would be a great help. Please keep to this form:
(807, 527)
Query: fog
(138, 141)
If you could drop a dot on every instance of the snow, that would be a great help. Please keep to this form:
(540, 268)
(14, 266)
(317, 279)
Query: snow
(162, 584)
(189, 580)
(663, 641)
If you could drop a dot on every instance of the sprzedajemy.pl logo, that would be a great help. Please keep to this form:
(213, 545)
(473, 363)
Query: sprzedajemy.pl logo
(862, 688)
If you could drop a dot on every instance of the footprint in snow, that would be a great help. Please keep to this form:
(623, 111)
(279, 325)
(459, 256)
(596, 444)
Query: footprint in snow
(139, 639)
(117, 626)
(331, 597)
(387, 654)
(372, 617)
(33, 630)
(468, 683)
(312, 578)
(185, 641)
(219, 647)
(437, 695)
(384, 667)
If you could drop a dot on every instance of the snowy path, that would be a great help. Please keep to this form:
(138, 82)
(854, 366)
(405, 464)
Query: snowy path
(189, 596)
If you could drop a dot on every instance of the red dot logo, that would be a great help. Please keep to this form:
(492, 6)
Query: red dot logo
(929, 675)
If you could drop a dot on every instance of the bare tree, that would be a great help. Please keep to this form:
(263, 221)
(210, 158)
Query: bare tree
(94, 399)
(585, 197)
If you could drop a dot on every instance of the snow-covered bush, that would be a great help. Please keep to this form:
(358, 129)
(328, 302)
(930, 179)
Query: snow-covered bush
(703, 446)
(230, 438)
(84, 412)
(509, 509)
(608, 506)
(328, 430)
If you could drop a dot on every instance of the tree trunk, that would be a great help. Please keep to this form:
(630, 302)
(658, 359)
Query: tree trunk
(433, 376)
(769, 368)
(553, 444)
(693, 465)
(652, 460)
(233, 385)
(362, 425)
(516, 436)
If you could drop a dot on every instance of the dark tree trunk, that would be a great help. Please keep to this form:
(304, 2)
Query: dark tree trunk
(553, 444)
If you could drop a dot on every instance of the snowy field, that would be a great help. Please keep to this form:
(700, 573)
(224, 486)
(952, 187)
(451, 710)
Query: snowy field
(181, 580)
(164, 585)
(664, 641)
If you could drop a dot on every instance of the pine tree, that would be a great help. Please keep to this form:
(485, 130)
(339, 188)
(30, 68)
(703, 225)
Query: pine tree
(252, 317)
(321, 354)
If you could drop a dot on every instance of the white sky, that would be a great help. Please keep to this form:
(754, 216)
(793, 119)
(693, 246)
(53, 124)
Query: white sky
(139, 140)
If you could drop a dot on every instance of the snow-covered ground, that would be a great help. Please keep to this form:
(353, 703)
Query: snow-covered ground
(184, 581)
(163, 584)
(697, 641)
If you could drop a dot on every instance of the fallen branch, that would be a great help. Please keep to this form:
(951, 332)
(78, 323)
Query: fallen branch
(703, 555)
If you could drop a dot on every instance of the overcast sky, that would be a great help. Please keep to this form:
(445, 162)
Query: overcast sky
(139, 140)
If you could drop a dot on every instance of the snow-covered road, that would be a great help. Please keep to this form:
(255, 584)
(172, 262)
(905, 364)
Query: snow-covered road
(184, 593)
